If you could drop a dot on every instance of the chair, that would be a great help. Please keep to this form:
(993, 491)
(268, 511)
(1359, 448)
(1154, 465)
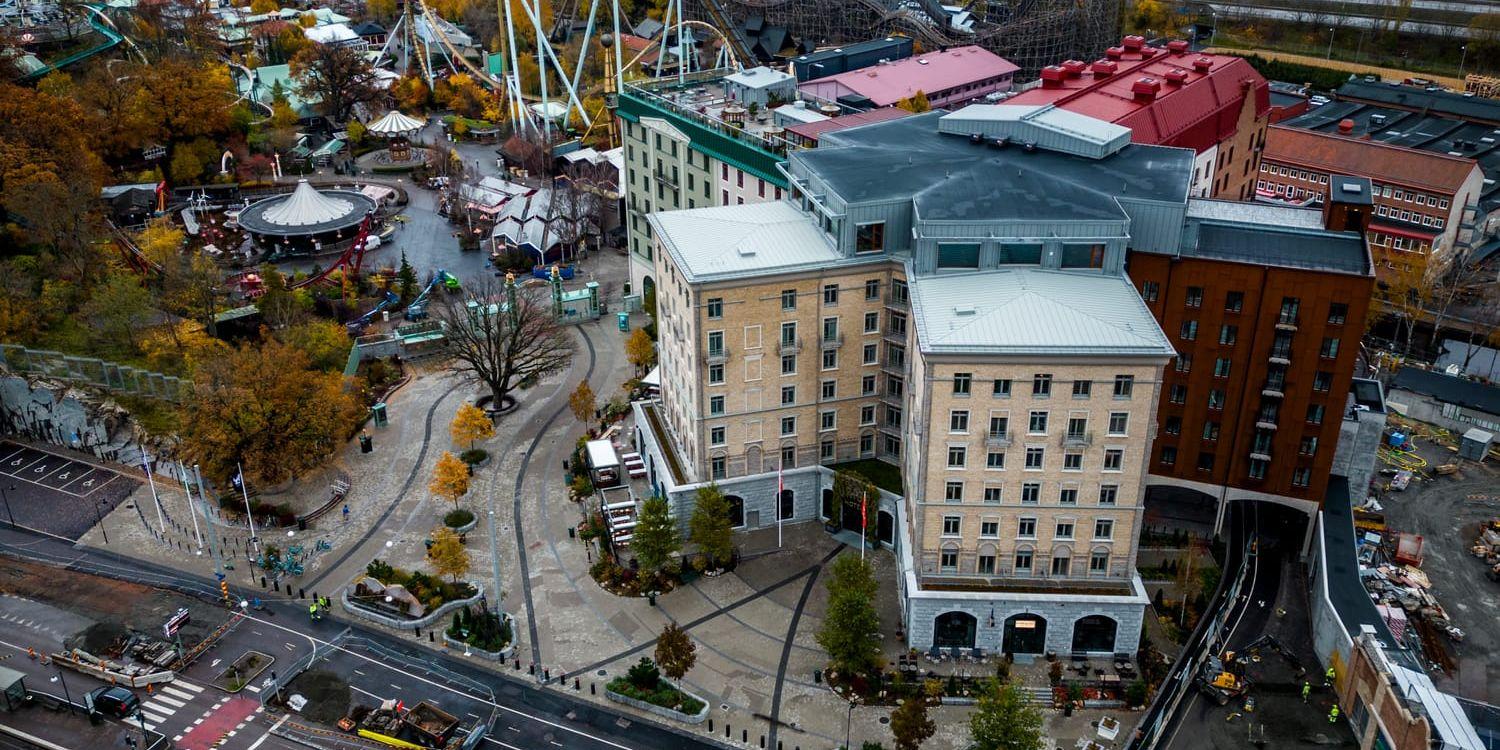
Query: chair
(953, 653)
(934, 654)
(978, 654)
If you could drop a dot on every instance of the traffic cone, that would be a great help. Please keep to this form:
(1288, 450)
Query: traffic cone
(31, 653)
(149, 689)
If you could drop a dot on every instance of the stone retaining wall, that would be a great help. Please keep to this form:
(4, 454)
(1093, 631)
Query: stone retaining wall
(501, 655)
(666, 713)
(402, 624)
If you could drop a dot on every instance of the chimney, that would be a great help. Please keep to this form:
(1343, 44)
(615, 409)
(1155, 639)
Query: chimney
(1114, 53)
(1346, 126)
(1052, 77)
(1074, 68)
(1178, 47)
(1133, 42)
(1350, 204)
(1105, 68)
(1176, 76)
(1145, 89)
(1202, 64)
(1148, 52)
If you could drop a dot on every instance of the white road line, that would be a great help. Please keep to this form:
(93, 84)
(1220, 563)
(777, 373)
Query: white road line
(501, 744)
(252, 688)
(184, 684)
(151, 716)
(173, 702)
(183, 694)
(149, 726)
(263, 737)
(366, 692)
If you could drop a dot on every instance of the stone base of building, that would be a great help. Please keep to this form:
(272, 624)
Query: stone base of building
(1025, 623)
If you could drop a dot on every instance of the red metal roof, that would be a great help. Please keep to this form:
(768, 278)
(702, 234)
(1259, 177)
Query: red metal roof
(812, 130)
(1197, 99)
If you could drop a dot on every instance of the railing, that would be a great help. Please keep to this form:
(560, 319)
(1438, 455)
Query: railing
(831, 342)
(789, 346)
(95, 372)
(1007, 577)
(895, 337)
(1281, 355)
(899, 301)
(669, 180)
(1286, 322)
(1077, 439)
(895, 368)
(716, 356)
(997, 438)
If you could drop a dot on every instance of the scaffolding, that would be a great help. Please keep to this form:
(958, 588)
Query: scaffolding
(1030, 33)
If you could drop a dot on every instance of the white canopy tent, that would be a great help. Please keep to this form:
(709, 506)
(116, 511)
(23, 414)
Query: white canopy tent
(395, 124)
(307, 207)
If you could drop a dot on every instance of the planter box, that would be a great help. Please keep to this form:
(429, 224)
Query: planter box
(402, 624)
(666, 713)
(466, 528)
(501, 655)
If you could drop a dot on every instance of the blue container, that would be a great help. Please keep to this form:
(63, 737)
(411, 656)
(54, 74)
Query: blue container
(1397, 440)
(623, 320)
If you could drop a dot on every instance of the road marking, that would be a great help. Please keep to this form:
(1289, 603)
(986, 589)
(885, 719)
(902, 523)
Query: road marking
(252, 688)
(273, 728)
(152, 715)
(501, 744)
(183, 694)
(179, 682)
(149, 726)
(361, 674)
(290, 647)
(366, 692)
(173, 702)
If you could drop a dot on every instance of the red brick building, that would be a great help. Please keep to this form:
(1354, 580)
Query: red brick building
(1216, 105)
(1266, 310)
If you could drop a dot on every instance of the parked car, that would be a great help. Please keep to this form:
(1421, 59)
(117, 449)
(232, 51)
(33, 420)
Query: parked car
(113, 701)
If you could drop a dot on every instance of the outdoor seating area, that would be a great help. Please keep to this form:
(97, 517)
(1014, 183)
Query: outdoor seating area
(618, 507)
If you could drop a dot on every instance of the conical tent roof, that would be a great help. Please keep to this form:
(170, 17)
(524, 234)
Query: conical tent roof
(395, 123)
(306, 207)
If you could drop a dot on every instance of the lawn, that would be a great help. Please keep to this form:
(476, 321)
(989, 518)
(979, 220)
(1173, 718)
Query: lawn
(884, 475)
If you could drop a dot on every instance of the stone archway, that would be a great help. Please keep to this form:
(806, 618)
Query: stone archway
(951, 629)
(1025, 634)
(1095, 633)
(736, 511)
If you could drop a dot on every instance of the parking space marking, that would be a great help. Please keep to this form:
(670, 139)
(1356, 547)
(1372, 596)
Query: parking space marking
(54, 472)
(9, 449)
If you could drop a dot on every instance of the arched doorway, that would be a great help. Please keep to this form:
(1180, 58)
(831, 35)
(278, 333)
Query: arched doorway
(1094, 633)
(1025, 634)
(736, 510)
(786, 505)
(826, 509)
(753, 460)
(954, 629)
(885, 528)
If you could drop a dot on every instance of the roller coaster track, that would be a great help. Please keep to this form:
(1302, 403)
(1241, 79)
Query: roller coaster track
(729, 31)
(455, 56)
(132, 252)
(102, 25)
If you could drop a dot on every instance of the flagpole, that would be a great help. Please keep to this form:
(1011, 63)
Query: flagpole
(245, 490)
(780, 488)
(191, 512)
(161, 522)
(863, 522)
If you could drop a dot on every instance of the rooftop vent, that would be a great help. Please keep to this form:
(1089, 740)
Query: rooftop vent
(1352, 187)
(1202, 64)
(921, 61)
(746, 250)
(1074, 68)
(1346, 126)
(1146, 88)
(1030, 147)
(1001, 142)
(1053, 76)
(1114, 53)
(1178, 47)
(964, 310)
(1176, 76)
(1377, 119)
(1148, 52)
(1133, 42)
(976, 137)
(1105, 68)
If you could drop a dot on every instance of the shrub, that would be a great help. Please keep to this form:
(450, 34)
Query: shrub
(1054, 673)
(457, 518)
(644, 674)
(473, 456)
(581, 486)
(1135, 693)
(380, 570)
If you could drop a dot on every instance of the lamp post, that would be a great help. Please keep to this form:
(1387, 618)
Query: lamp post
(849, 719)
(97, 518)
(1462, 58)
(1329, 56)
(6, 497)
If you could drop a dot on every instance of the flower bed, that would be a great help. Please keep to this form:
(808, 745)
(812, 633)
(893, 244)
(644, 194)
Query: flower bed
(461, 520)
(643, 688)
(432, 591)
(491, 634)
(622, 580)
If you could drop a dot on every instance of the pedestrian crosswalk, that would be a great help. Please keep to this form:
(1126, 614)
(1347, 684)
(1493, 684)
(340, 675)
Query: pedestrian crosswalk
(166, 700)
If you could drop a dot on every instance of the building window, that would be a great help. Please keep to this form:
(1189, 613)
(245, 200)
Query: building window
(825, 450)
(716, 436)
(958, 255)
(871, 354)
(948, 561)
(1195, 296)
(1063, 530)
(828, 420)
(1210, 431)
(1173, 426)
(954, 492)
(1309, 446)
(1099, 561)
(1026, 528)
(1221, 367)
(1034, 457)
(1067, 496)
(1168, 455)
(992, 496)
(1072, 461)
(958, 421)
(1315, 414)
(1124, 386)
(1031, 493)
(985, 565)
(1082, 388)
(716, 343)
(1023, 561)
(866, 444)
(1108, 493)
(1119, 422)
(1037, 424)
(1301, 477)
(1205, 462)
(788, 364)
(872, 289)
(715, 308)
(830, 359)
(994, 460)
(1041, 385)
(1229, 334)
(1329, 349)
(1184, 363)
(715, 405)
(788, 425)
(1189, 330)
(952, 525)
(1216, 399)
(1234, 302)
(961, 383)
(957, 455)
(1150, 291)
(716, 374)
(1177, 394)
(1001, 388)
(828, 389)
(788, 395)
(869, 238)
(872, 322)
(867, 385)
(1104, 528)
(1114, 459)
(1322, 381)
(789, 299)
(867, 415)
(830, 294)
(718, 465)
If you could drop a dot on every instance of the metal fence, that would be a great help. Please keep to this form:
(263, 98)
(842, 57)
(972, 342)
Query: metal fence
(95, 372)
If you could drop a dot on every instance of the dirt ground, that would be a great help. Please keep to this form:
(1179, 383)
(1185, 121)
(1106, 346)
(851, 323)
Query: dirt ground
(1389, 74)
(1447, 512)
(115, 605)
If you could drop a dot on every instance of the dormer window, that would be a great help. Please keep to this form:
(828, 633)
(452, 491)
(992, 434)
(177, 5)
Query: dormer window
(1021, 253)
(958, 255)
(870, 238)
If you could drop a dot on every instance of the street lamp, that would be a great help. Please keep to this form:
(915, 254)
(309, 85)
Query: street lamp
(97, 518)
(1329, 56)
(849, 719)
(1462, 58)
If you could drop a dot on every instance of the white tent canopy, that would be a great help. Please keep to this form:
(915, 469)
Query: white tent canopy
(306, 207)
(395, 124)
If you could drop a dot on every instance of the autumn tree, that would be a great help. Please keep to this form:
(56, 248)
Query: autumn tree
(1406, 291)
(180, 347)
(675, 652)
(470, 425)
(916, 103)
(179, 100)
(448, 555)
(582, 402)
(450, 478)
(263, 405)
(337, 75)
(260, 7)
(325, 342)
(709, 527)
(502, 338)
(411, 93)
(118, 310)
(380, 10)
(851, 620)
(1004, 720)
(281, 306)
(640, 350)
(656, 537)
(910, 725)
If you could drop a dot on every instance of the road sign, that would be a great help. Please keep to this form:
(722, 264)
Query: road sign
(175, 623)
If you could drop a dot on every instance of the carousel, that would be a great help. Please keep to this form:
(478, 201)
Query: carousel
(397, 130)
(308, 221)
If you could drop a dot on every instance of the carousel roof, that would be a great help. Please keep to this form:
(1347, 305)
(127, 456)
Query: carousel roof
(395, 123)
(306, 207)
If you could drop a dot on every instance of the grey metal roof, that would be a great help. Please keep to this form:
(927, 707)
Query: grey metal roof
(1351, 190)
(728, 242)
(948, 177)
(1245, 212)
(1046, 125)
(1280, 246)
(1440, 102)
(1025, 311)
(1449, 389)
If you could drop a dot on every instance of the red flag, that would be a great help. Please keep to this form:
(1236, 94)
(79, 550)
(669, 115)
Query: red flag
(863, 510)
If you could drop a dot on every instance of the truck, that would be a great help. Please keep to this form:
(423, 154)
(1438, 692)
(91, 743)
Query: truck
(421, 727)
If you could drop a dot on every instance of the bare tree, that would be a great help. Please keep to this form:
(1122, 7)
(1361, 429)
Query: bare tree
(501, 336)
(337, 75)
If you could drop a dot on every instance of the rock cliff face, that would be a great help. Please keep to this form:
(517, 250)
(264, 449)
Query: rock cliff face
(59, 413)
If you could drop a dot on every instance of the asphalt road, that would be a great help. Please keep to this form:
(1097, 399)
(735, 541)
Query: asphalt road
(373, 663)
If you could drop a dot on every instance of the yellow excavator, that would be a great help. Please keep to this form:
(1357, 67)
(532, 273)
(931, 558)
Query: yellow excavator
(1222, 678)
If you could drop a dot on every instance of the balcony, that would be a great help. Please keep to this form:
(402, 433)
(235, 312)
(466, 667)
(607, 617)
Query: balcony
(666, 178)
(716, 356)
(894, 368)
(898, 301)
(998, 439)
(1263, 423)
(1286, 323)
(790, 346)
(1076, 439)
(895, 337)
(1273, 389)
(1281, 355)
(1256, 455)
(831, 342)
